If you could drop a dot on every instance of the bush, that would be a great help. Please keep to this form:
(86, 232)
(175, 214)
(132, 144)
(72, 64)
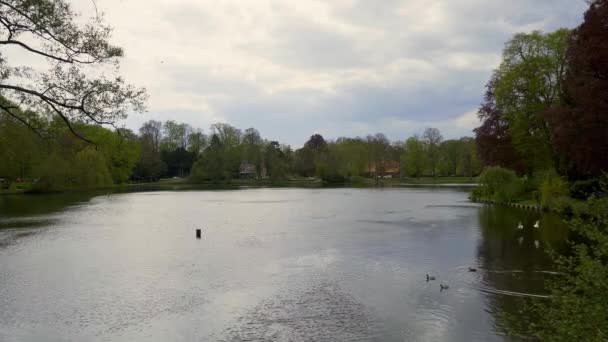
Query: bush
(357, 180)
(500, 184)
(334, 179)
(478, 192)
(553, 189)
(564, 206)
(578, 304)
(584, 189)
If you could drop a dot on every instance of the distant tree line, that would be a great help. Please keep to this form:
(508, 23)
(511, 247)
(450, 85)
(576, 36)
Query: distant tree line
(170, 149)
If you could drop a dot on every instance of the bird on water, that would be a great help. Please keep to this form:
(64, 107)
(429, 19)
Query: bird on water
(471, 269)
(520, 226)
(443, 287)
(537, 224)
(428, 277)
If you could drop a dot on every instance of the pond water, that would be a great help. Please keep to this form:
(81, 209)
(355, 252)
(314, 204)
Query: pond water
(272, 264)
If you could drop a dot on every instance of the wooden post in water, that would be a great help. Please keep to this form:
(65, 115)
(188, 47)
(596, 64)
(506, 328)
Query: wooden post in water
(198, 233)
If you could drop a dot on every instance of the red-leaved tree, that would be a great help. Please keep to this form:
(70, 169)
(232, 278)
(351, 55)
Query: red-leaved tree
(493, 140)
(580, 127)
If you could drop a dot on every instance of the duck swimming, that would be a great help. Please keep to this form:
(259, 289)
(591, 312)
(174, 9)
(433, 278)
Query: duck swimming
(471, 269)
(537, 224)
(443, 287)
(428, 277)
(520, 226)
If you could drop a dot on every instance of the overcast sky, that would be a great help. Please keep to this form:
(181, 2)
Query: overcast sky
(339, 68)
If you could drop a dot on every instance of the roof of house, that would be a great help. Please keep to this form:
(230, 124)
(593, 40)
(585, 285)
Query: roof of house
(247, 168)
(389, 166)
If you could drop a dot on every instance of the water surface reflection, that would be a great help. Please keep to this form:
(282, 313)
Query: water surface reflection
(273, 264)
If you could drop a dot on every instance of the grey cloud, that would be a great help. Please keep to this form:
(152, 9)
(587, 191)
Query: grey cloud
(301, 43)
(363, 39)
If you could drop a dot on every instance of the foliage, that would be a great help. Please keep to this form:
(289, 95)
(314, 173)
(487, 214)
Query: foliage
(214, 164)
(529, 80)
(120, 148)
(500, 185)
(580, 123)
(552, 188)
(149, 167)
(173, 149)
(178, 161)
(89, 171)
(576, 309)
(66, 162)
(175, 136)
(432, 138)
(493, 137)
(50, 29)
(583, 189)
(277, 162)
(414, 160)
(253, 147)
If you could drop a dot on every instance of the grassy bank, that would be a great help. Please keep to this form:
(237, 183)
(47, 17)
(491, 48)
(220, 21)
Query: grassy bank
(312, 182)
(439, 180)
(16, 188)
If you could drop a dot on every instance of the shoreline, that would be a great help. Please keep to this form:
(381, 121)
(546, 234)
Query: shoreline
(176, 184)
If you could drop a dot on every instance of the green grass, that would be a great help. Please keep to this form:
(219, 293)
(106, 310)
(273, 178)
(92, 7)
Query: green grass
(16, 188)
(186, 183)
(437, 180)
(527, 202)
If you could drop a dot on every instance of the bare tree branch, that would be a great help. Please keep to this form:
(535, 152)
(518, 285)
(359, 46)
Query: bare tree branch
(42, 53)
(7, 109)
(50, 29)
(67, 122)
(42, 28)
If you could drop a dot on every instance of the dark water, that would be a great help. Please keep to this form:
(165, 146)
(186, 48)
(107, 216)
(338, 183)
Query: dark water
(273, 264)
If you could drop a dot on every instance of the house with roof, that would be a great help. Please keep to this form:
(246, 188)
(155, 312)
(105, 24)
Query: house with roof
(384, 169)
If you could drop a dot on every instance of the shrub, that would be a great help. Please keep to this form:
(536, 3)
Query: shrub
(584, 189)
(500, 184)
(478, 192)
(552, 190)
(357, 180)
(334, 179)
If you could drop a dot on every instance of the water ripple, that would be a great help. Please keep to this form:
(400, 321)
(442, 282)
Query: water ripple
(322, 312)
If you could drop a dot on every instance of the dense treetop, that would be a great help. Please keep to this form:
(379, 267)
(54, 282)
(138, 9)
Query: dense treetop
(81, 82)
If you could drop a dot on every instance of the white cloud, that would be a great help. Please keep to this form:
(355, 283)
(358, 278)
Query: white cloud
(343, 67)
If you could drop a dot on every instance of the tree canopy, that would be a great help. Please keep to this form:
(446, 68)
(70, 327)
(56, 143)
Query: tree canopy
(68, 89)
(580, 123)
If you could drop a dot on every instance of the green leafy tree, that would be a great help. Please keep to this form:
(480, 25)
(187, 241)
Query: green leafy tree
(253, 146)
(529, 81)
(413, 160)
(175, 135)
(20, 149)
(51, 31)
(197, 142)
(432, 139)
(469, 164)
(378, 147)
(310, 160)
(89, 170)
(230, 139)
(450, 154)
(150, 166)
(276, 161)
(214, 164)
(121, 150)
